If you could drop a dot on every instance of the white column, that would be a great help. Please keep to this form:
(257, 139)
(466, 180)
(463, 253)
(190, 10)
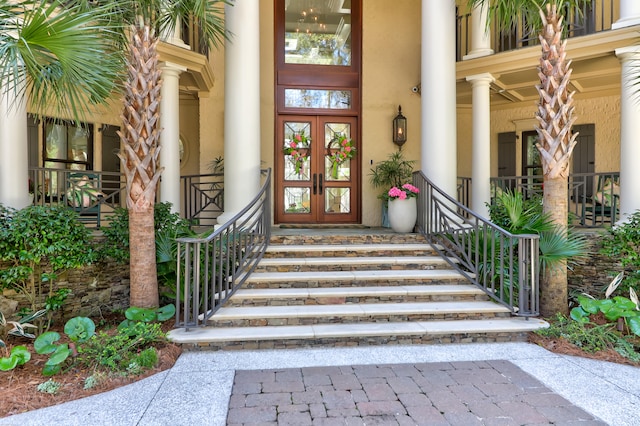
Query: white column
(629, 14)
(241, 107)
(480, 37)
(438, 145)
(481, 154)
(170, 136)
(14, 153)
(629, 130)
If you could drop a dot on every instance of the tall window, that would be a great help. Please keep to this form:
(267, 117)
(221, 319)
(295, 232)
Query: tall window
(317, 32)
(68, 146)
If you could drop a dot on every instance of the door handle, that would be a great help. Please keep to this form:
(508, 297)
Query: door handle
(315, 184)
(320, 182)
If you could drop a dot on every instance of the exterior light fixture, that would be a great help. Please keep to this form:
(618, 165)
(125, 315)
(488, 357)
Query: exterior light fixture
(400, 128)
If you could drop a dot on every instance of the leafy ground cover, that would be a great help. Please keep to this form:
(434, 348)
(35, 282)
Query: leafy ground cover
(19, 387)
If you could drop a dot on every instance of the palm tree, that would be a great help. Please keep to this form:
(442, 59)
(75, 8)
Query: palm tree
(62, 62)
(146, 21)
(555, 118)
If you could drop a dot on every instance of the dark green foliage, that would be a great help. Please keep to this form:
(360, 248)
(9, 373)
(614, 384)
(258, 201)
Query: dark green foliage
(592, 337)
(518, 216)
(623, 242)
(117, 352)
(394, 171)
(39, 242)
(168, 227)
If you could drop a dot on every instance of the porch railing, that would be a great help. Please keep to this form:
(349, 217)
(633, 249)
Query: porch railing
(93, 194)
(212, 268)
(203, 198)
(587, 19)
(593, 197)
(504, 265)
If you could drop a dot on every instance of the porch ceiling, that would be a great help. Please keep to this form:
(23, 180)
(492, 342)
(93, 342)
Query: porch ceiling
(596, 69)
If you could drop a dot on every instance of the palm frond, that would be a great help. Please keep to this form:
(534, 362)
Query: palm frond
(67, 53)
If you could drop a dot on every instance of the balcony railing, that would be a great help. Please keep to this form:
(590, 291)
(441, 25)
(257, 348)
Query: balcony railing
(593, 197)
(203, 198)
(93, 194)
(587, 19)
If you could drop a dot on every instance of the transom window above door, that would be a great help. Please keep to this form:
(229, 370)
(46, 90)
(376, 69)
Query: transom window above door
(318, 32)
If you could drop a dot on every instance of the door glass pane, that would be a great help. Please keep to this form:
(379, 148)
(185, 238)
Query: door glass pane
(297, 200)
(317, 32)
(318, 99)
(297, 150)
(337, 200)
(339, 149)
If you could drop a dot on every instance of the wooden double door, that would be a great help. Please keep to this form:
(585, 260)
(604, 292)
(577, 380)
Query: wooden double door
(310, 186)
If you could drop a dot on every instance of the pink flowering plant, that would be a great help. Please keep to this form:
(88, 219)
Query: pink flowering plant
(298, 149)
(341, 149)
(405, 191)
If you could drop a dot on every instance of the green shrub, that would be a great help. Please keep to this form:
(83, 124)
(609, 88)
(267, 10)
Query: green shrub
(39, 243)
(623, 242)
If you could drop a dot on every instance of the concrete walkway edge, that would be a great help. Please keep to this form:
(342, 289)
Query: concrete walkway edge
(197, 389)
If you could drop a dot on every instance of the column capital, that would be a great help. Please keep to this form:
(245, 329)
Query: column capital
(170, 67)
(483, 78)
(628, 53)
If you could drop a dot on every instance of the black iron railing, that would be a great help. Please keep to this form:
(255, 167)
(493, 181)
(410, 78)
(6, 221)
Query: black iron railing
(586, 19)
(203, 198)
(594, 198)
(505, 266)
(212, 268)
(93, 194)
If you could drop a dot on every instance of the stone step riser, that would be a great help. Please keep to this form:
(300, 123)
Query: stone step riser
(343, 252)
(275, 301)
(361, 341)
(293, 283)
(353, 319)
(352, 267)
(347, 239)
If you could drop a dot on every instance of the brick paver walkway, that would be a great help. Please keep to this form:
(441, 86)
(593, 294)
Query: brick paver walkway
(445, 393)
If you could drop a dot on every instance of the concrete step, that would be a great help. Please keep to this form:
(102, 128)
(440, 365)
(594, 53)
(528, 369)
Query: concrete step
(309, 238)
(349, 295)
(352, 278)
(307, 264)
(364, 333)
(353, 313)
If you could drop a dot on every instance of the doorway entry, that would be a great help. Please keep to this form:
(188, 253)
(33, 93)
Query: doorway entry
(313, 182)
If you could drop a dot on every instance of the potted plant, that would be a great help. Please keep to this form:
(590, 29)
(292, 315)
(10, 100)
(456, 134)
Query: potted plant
(402, 207)
(395, 171)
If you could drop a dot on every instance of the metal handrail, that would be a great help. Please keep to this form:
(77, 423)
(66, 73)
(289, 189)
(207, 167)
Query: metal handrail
(212, 268)
(504, 265)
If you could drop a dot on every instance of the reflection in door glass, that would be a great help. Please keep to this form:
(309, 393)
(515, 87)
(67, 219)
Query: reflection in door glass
(296, 200)
(337, 200)
(318, 99)
(297, 149)
(338, 151)
(317, 32)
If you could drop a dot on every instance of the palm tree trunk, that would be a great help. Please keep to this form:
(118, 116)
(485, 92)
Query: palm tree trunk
(556, 143)
(139, 159)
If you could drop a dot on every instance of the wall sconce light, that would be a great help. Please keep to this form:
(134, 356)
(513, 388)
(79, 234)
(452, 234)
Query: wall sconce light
(399, 128)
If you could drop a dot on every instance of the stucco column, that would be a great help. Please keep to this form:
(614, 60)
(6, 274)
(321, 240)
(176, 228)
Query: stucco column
(170, 136)
(629, 14)
(481, 152)
(14, 154)
(241, 107)
(629, 130)
(480, 37)
(438, 145)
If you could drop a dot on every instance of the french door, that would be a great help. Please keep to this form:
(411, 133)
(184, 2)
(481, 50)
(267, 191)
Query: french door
(310, 185)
